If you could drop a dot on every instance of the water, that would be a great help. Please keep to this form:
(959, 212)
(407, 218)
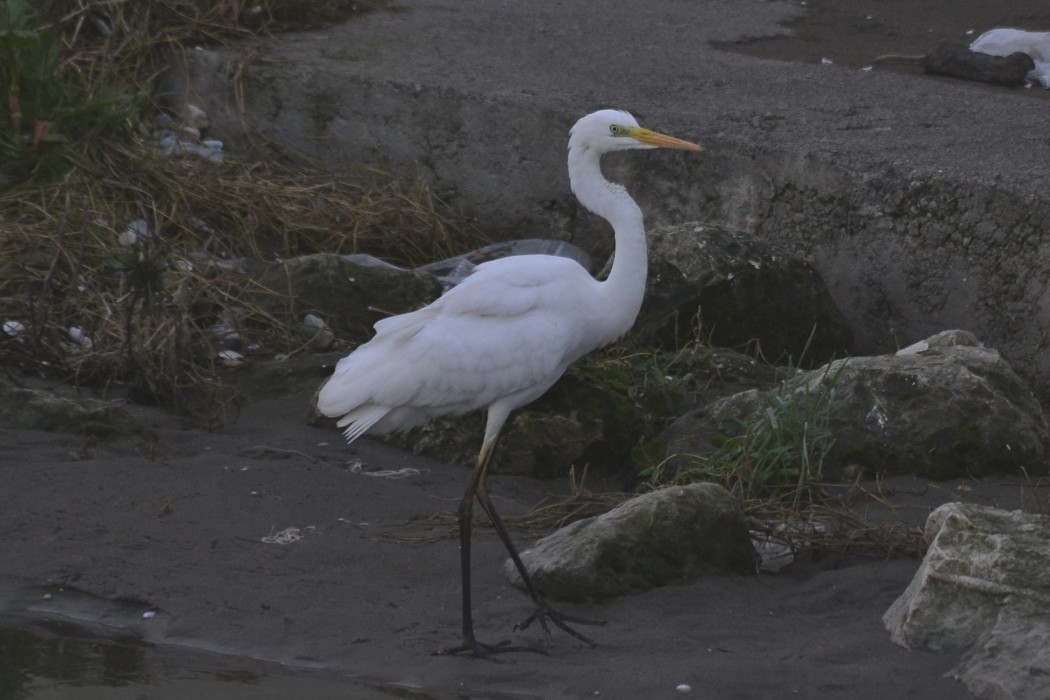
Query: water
(46, 667)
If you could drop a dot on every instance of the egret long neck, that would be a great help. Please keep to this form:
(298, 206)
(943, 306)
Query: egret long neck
(621, 294)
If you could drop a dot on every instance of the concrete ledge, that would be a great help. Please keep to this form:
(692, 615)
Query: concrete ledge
(925, 204)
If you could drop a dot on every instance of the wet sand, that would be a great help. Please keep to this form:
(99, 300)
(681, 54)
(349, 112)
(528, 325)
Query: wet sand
(199, 533)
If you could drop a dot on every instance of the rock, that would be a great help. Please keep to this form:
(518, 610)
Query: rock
(1007, 41)
(349, 296)
(1011, 661)
(38, 409)
(575, 422)
(743, 291)
(958, 61)
(982, 585)
(935, 410)
(197, 85)
(270, 379)
(667, 536)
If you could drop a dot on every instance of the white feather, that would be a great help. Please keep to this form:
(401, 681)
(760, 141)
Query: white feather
(508, 331)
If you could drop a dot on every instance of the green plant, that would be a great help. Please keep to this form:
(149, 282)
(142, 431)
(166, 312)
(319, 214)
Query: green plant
(46, 111)
(780, 454)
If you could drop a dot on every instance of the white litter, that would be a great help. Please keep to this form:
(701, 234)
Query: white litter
(139, 228)
(77, 334)
(385, 473)
(289, 535)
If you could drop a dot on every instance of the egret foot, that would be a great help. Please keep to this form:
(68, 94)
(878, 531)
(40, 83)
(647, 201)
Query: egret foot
(544, 612)
(484, 651)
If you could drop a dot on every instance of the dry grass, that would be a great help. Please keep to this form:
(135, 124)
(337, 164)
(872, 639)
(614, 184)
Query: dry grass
(828, 525)
(147, 308)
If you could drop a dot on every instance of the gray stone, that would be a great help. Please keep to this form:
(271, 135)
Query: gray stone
(737, 290)
(983, 584)
(348, 296)
(667, 536)
(1011, 661)
(39, 409)
(575, 422)
(937, 410)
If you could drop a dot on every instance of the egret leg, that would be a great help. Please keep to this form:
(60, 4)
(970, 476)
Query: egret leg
(465, 517)
(542, 611)
(478, 486)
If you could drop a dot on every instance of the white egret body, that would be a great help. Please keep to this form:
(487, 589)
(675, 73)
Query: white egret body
(503, 336)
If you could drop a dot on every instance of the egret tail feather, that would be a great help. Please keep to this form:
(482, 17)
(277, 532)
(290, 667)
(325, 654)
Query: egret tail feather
(358, 421)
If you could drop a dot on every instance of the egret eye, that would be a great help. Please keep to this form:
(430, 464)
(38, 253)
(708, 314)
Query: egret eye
(615, 130)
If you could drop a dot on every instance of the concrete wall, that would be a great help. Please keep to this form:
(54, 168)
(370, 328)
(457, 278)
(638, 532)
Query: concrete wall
(906, 253)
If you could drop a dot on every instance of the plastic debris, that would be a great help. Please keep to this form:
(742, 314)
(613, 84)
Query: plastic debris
(454, 270)
(777, 546)
(289, 535)
(231, 358)
(225, 332)
(314, 329)
(1005, 41)
(137, 229)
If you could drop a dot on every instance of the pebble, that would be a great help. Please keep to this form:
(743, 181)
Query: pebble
(314, 329)
(77, 334)
(196, 117)
(139, 228)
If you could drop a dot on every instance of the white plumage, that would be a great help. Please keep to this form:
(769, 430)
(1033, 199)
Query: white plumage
(503, 336)
(504, 333)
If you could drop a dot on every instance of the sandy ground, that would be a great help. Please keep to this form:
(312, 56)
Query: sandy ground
(112, 531)
(198, 531)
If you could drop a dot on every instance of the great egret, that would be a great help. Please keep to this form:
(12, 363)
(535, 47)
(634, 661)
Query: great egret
(501, 338)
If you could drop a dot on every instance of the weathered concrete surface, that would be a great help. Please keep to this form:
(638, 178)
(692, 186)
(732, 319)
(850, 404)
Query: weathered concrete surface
(923, 203)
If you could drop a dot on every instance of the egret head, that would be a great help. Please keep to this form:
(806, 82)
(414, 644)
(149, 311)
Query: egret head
(614, 130)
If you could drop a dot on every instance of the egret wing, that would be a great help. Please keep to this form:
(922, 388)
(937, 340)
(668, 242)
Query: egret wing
(506, 331)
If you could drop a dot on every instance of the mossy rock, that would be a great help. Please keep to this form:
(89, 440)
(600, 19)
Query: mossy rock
(668, 536)
(575, 423)
(939, 412)
(37, 409)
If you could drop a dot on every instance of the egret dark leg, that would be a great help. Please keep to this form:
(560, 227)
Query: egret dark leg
(465, 517)
(477, 486)
(543, 611)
